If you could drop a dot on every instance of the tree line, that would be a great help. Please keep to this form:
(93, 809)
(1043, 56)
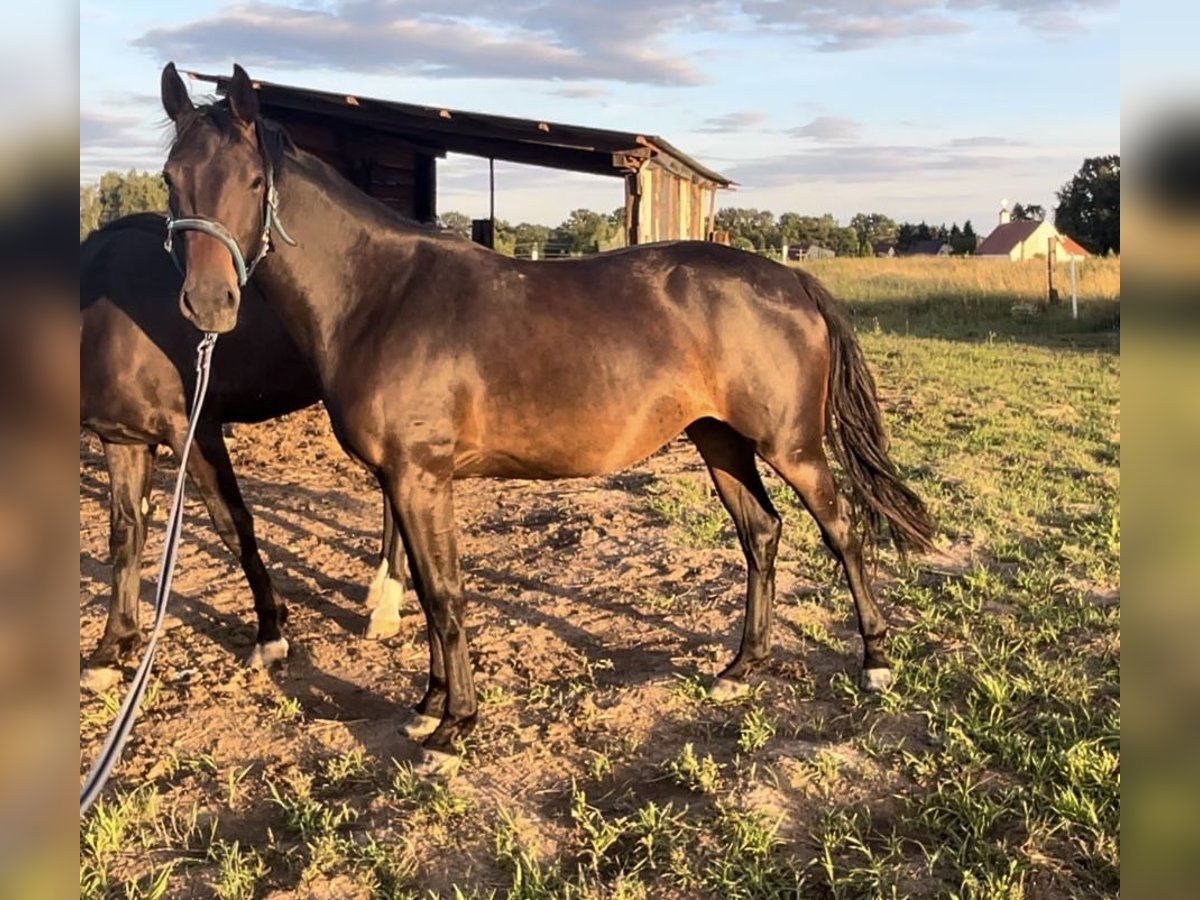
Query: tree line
(1088, 210)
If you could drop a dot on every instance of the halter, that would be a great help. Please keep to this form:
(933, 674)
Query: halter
(215, 229)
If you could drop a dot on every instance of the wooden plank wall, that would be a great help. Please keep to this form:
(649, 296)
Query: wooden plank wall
(390, 171)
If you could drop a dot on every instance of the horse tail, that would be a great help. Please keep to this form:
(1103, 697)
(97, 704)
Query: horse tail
(854, 426)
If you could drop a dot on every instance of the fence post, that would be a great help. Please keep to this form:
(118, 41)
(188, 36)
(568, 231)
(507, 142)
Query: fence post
(1074, 291)
(1051, 290)
(533, 252)
(783, 254)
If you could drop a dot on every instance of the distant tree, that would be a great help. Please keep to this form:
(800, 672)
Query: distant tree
(875, 228)
(585, 231)
(527, 236)
(119, 195)
(504, 238)
(1089, 205)
(1028, 212)
(758, 227)
(459, 223)
(89, 210)
(906, 236)
(843, 241)
(970, 240)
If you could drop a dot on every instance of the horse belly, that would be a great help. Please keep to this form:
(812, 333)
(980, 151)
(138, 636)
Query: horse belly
(575, 437)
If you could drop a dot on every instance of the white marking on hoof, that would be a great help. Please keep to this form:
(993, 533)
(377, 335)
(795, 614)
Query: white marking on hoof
(726, 689)
(99, 679)
(437, 764)
(419, 726)
(385, 618)
(376, 588)
(875, 681)
(266, 654)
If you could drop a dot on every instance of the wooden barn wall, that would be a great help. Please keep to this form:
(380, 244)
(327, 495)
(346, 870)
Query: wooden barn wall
(390, 171)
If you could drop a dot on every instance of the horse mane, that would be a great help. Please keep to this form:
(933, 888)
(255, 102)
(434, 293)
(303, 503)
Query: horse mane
(281, 150)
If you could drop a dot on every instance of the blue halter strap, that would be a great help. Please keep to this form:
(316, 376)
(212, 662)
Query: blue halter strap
(215, 229)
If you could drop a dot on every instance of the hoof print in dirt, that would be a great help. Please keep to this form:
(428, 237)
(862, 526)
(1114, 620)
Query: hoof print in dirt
(99, 678)
(437, 764)
(726, 690)
(419, 726)
(266, 655)
(876, 681)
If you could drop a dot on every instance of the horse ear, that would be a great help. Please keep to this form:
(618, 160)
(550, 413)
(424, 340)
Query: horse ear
(175, 98)
(243, 98)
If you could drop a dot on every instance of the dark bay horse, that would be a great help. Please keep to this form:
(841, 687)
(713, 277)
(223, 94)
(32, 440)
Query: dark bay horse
(136, 371)
(439, 359)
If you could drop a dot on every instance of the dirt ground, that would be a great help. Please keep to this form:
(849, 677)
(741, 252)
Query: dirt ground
(592, 624)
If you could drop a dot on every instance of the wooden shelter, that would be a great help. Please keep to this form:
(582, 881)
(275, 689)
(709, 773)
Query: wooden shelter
(390, 151)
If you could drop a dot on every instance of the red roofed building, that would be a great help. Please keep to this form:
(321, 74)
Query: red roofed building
(1028, 239)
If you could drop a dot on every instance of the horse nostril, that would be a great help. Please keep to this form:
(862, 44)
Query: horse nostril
(187, 304)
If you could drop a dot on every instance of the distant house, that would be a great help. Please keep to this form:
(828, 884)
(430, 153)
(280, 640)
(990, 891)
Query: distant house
(1027, 240)
(883, 248)
(930, 248)
(809, 250)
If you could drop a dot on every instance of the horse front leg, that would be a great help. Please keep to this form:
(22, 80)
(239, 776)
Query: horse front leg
(423, 504)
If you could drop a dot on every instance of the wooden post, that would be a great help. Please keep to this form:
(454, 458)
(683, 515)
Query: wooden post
(1074, 292)
(492, 191)
(632, 198)
(783, 253)
(712, 211)
(1051, 290)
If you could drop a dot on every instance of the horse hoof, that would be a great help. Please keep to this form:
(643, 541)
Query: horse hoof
(875, 681)
(382, 625)
(419, 726)
(266, 654)
(437, 764)
(99, 679)
(726, 689)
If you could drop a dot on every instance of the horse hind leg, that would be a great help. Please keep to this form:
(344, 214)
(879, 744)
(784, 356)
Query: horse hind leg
(211, 471)
(731, 463)
(387, 589)
(130, 467)
(809, 475)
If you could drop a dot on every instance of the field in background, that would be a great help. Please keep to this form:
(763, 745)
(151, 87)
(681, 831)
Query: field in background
(599, 611)
(974, 298)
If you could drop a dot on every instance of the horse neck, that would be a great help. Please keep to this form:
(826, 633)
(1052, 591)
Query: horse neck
(315, 285)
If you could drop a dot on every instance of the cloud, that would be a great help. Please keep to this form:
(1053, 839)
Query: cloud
(877, 163)
(581, 92)
(845, 25)
(621, 40)
(115, 142)
(734, 121)
(984, 140)
(831, 129)
(104, 130)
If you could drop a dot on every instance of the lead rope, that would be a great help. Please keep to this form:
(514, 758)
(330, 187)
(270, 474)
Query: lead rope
(115, 742)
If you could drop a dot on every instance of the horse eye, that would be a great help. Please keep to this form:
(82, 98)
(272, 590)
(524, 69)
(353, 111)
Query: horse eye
(256, 183)
(167, 181)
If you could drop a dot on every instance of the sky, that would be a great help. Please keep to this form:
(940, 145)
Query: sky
(933, 110)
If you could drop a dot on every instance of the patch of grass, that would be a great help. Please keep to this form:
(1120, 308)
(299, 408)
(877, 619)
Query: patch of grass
(690, 506)
(239, 871)
(700, 774)
(756, 729)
